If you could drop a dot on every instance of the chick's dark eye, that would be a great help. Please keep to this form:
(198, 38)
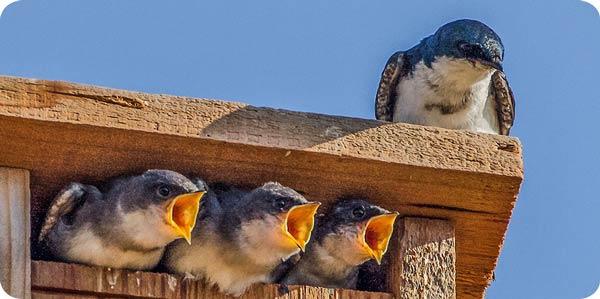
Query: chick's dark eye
(164, 191)
(279, 204)
(358, 212)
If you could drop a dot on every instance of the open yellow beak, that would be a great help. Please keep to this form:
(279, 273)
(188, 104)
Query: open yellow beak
(298, 223)
(376, 235)
(181, 213)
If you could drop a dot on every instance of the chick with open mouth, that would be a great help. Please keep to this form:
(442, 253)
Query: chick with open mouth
(125, 225)
(349, 234)
(242, 236)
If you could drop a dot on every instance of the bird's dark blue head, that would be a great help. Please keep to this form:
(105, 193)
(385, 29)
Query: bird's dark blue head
(279, 211)
(164, 197)
(271, 198)
(361, 228)
(153, 187)
(464, 39)
(345, 213)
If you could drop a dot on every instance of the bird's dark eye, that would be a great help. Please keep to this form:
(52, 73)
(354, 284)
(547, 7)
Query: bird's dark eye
(462, 45)
(470, 50)
(358, 212)
(164, 191)
(279, 204)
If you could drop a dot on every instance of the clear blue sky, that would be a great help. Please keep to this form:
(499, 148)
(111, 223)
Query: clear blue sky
(326, 57)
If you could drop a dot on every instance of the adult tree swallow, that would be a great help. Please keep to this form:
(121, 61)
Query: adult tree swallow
(451, 79)
(242, 236)
(349, 234)
(127, 226)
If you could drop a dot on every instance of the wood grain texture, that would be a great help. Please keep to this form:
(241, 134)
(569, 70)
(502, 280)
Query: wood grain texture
(66, 132)
(14, 232)
(51, 279)
(423, 263)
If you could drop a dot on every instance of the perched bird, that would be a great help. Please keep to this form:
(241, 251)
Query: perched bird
(451, 79)
(243, 236)
(352, 232)
(127, 226)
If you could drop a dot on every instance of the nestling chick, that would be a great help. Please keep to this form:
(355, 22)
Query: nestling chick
(349, 234)
(243, 236)
(127, 226)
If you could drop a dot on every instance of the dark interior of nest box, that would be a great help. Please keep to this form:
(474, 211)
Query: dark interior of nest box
(92, 155)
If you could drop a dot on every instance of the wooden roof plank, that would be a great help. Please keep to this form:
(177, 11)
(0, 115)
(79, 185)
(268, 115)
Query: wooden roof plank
(63, 131)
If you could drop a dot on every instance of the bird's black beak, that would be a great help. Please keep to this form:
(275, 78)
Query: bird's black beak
(298, 223)
(376, 234)
(492, 64)
(487, 63)
(181, 213)
(476, 54)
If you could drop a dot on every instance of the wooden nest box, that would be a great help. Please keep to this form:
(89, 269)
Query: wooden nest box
(455, 190)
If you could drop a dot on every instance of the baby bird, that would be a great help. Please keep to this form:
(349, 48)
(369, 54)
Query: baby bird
(352, 232)
(243, 236)
(127, 226)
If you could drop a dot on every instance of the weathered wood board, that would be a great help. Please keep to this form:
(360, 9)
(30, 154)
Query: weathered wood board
(14, 232)
(424, 259)
(51, 279)
(63, 132)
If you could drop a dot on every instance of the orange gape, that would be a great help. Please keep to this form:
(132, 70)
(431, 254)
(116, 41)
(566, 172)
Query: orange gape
(299, 223)
(376, 235)
(181, 213)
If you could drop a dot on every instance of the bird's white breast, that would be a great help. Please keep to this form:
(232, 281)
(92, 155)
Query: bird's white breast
(233, 266)
(208, 260)
(447, 82)
(146, 227)
(86, 247)
(264, 241)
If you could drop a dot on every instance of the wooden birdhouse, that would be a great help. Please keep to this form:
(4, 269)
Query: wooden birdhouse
(455, 190)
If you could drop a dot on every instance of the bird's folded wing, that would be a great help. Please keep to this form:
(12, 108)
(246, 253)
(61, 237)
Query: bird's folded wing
(68, 199)
(505, 102)
(394, 70)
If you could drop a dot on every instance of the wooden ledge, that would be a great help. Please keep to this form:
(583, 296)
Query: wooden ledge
(234, 122)
(51, 279)
(63, 132)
